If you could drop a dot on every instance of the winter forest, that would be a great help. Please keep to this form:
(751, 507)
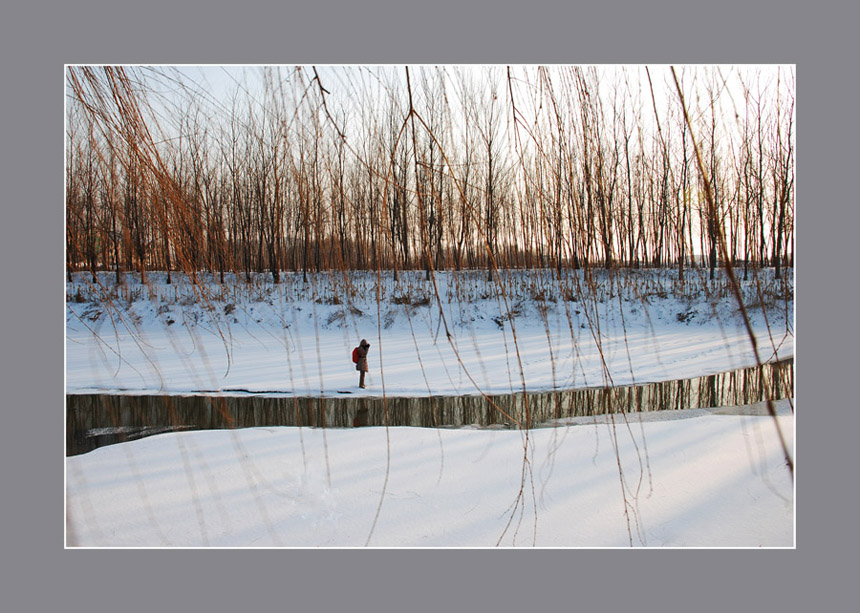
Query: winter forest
(430, 168)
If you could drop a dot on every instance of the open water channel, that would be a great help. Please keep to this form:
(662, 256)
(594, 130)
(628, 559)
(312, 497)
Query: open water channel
(95, 420)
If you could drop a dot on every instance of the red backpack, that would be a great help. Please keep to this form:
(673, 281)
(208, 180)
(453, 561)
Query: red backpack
(355, 356)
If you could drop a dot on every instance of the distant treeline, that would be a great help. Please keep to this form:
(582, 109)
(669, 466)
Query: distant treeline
(428, 168)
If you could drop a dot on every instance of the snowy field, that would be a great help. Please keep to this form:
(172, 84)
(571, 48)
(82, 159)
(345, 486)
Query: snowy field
(694, 478)
(297, 338)
(697, 480)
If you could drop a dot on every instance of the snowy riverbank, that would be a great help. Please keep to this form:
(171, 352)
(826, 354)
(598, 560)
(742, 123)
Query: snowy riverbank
(694, 478)
(297, 337)
(690, 479)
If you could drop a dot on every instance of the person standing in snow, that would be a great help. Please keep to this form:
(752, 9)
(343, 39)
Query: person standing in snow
(361, 365)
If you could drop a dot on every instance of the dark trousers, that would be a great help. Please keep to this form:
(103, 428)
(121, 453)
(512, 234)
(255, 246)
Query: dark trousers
(361, 379)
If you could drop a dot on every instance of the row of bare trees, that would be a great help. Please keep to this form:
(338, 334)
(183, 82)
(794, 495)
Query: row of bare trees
(303, 169)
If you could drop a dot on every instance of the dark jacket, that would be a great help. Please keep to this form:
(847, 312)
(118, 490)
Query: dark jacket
(362, 356)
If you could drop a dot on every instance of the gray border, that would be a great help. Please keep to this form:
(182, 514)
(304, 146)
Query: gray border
(38, 38)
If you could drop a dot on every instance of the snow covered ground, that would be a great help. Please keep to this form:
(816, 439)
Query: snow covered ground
(697, 480)
(296, 338)
(694, 478)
